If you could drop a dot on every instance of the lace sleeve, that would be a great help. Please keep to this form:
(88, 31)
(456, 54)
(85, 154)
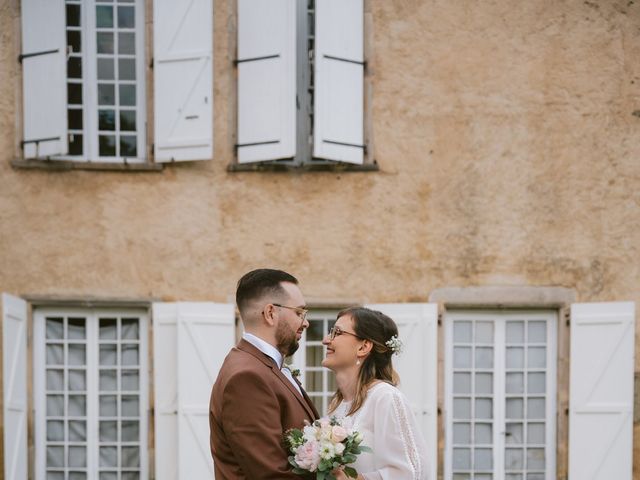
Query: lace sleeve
(399, 449)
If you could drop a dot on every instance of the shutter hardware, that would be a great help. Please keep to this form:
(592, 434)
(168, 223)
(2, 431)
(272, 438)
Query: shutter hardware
(255, 59)
(238, 145)
(22, 56)
(364, 147)
(331, 57)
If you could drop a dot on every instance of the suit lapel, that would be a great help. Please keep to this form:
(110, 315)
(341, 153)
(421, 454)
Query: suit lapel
(303, 399)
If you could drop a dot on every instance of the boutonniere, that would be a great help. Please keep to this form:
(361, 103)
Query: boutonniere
(295, 372)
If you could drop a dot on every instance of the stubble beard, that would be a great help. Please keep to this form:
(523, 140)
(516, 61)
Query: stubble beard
(286, 341)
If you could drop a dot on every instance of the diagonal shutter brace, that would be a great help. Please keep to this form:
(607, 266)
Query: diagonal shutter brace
(255, 59)
(22, 56)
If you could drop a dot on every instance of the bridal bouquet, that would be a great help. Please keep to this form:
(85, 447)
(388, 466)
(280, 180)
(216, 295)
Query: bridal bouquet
(323, 446)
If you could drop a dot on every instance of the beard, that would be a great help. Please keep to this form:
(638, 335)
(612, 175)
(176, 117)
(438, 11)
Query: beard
(286, 341)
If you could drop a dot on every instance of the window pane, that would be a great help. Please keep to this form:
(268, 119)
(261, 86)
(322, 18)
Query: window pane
(55, 405)
(108, 329)
(484, 408)
(106, 69)
(55, 430)
(129, 354)
(131, 476)
(108, 457)
(313, 381)
(77, 430)
(74, 67)
(106, 119)
(483, 459)
(75, 144)
(130, 457)
(108, 405)
(77, 405)
(462, 357)
(77, 380)
(484, 383)
(514, 459)
(130, 431)
(77, 476)
(535, 458)
(462, 332)
(126, 17)
(105, 42)
(106, 94)
(74, 40)
(461, 458)
(130, 406)
(74, 93)
(108, 354)
(536, 382)
(75, 326)
(483, 433)
(515, 408)
(129, 380)
(515, 332)
(128, 146)
(54, 328)
(129, 325)
(536, 408)
(108, 380)
(127, 95)
(108, 431)
(461, 383)
(515, 357)
(484, 357)
(108, 476)
(484, 332)
(73, 15)
(55, 380)
(104, 16)
(514, 433)
(462, 433)
(107, 145)
(77, 456)
(461, 408)
(537, 332)
(77, 354)
(126, 69)
(126, 43)
(55, 354)
(537, 357)
(515, 383)
(55, 457)
(535, 433)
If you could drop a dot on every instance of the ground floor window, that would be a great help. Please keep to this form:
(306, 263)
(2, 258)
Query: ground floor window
(319, 382)
(500, 395)
(90, 394)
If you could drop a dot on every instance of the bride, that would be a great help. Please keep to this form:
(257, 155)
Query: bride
(359, 350)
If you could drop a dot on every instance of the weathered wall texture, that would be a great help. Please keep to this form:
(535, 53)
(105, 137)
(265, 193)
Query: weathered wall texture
(508, 154)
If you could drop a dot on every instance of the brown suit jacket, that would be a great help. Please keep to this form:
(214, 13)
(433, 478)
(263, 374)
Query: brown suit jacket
(252, 405)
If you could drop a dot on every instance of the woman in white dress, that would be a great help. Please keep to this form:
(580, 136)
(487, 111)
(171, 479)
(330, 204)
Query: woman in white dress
(359, 351)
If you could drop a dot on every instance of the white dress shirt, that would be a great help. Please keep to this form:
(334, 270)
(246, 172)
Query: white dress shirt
(274, 354)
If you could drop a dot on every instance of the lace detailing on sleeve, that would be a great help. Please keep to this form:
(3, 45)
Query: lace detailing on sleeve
(408, 438)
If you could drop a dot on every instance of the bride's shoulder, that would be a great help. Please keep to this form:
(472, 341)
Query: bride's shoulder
(384, 390)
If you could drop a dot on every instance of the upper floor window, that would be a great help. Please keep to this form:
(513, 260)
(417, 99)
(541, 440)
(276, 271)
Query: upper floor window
(300, 81)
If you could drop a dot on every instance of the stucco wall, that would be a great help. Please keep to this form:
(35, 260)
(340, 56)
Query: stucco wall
(508, 154)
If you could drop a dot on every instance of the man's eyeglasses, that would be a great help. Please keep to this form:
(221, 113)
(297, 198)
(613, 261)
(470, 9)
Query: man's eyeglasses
(301, 312)
(337, 331)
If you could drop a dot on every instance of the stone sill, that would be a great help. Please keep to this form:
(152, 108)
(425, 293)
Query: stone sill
(291, 167)
(67, 165)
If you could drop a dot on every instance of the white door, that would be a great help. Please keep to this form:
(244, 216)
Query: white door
(500, 395)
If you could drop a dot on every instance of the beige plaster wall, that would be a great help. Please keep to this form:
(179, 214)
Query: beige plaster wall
(508, 154)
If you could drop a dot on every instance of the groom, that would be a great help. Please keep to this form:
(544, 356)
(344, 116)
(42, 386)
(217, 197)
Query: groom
(253, 401)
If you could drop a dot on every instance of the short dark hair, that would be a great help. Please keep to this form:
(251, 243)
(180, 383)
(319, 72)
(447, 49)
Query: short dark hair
(257, 283)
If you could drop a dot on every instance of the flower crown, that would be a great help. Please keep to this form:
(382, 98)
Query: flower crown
(394, 344)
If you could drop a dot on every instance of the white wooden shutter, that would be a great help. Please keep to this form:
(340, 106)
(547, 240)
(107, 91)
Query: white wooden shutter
(601, 391)
(339, 77)
(191, 341)
(183, 74)
(266, 80)
(44, 78)
(417, 365)
(14, 375)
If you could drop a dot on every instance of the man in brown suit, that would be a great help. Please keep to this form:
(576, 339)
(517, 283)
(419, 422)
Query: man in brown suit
(253, 401)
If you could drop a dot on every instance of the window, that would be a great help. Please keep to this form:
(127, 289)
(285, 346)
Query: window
(500, 395)
(90, 394)
(300, 82)
(319, 382)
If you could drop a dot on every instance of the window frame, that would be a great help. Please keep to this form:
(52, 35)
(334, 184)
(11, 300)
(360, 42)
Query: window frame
(38, 397)
(499, 370)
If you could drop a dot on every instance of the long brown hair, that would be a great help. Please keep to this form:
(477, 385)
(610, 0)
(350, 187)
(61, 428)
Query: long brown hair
(378, 328)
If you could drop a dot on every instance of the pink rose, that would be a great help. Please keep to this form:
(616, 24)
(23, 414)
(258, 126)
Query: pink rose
(338, 433)
(308, 456)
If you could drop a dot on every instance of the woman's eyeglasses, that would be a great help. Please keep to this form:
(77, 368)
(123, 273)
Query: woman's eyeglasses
(337, 331)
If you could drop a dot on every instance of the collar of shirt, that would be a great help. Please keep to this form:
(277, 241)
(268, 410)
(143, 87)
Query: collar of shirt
(264, 347)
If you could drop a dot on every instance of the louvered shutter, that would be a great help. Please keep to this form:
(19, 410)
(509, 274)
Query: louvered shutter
(196, 338)
(339, 76)
(266, 80)
(183, 74)
(44, 78)
(417, 365)
(14, 375)
(601, 391)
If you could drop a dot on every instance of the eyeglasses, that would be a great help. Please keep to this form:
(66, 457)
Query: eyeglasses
(301, 312)
(337, 331)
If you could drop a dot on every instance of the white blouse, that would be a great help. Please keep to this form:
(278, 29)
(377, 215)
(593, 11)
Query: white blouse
(391, 431)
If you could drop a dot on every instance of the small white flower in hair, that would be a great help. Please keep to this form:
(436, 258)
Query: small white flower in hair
(394, 344)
